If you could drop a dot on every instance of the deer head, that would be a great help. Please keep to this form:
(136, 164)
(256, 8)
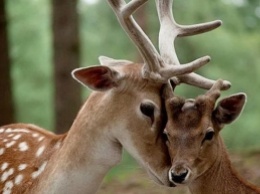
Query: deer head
(131, 92)
(193, 129)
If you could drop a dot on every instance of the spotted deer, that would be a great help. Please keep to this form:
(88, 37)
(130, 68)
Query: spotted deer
(125, 109)
(198, 155)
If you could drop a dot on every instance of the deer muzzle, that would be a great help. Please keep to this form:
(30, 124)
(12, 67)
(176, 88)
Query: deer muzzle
(179, 174)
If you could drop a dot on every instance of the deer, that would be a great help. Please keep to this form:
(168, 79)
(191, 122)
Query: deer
(124, 110)
(198, 154)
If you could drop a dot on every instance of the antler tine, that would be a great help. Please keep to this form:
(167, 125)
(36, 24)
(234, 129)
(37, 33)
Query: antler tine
(214, 91)
(198, 80)
(169, 31)
(189, 30)
(153, 61)
(124, 13)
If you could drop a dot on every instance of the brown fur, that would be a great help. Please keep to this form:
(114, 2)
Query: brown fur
(206, 160)
(108, 121)
(14, 157)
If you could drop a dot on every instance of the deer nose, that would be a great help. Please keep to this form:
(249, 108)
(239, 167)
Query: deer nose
(178, 175)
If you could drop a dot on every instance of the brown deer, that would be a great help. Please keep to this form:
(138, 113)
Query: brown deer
(198, 155)
(124, 110)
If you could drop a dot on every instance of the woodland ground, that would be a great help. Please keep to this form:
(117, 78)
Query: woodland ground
(137, 182)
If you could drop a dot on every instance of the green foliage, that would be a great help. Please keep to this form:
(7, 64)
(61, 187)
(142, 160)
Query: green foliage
(102, 35)
(234, 49)
(29, 31)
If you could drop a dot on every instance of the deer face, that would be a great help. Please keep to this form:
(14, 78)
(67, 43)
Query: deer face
(143, 119)
(193, 130)
(132, 111)
(142, 136)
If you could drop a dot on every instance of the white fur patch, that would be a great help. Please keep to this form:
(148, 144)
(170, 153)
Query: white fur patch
(18, 179)
(35, 135)
(2, 150)
(10, 135)
(40, 138)
(4, 166)
(23, 146)
(22, 167)
(9, 130)
(21, 130)
(10, 144)
(17, 137)
(8, 187)
(35, 174)
(40, 151)
(6, 174)
(2, 130)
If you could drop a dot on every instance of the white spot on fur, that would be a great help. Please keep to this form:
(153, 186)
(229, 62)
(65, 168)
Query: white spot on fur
(8, 187)
(10, 135)
(40, 138)
(22, 167)
(4, 166)
(40, 151)
(6, 174)
(5, 140)
(18, 179)
(2, 150)
(2, 130)
(23, 146)
(17, 137)
(9, 130)
(10, 144)
(39, 171)
(35, 135)
(21, 130)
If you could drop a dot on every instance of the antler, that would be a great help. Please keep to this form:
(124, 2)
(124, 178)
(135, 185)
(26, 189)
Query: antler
(162, 67)
(169, 31)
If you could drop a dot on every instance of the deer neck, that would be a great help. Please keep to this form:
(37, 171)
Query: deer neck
(221, 178)
(95, 131)
(80, 168)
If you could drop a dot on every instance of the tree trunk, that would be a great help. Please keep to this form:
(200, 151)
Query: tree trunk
(6, 100)
(66, 58)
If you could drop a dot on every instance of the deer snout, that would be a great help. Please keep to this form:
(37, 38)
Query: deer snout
(179, 174)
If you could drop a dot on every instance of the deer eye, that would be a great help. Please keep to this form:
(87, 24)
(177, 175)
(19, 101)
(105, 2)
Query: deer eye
(209, 135)
(148, 110)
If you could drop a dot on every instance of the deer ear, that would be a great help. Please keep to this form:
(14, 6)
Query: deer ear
(228, 109)
(110, 61)
(97, 77)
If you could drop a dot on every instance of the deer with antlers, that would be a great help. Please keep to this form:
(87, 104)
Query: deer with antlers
(124, 110)
(198, 154)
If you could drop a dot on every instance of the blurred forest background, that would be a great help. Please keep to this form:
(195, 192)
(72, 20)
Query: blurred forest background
(42, 41)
